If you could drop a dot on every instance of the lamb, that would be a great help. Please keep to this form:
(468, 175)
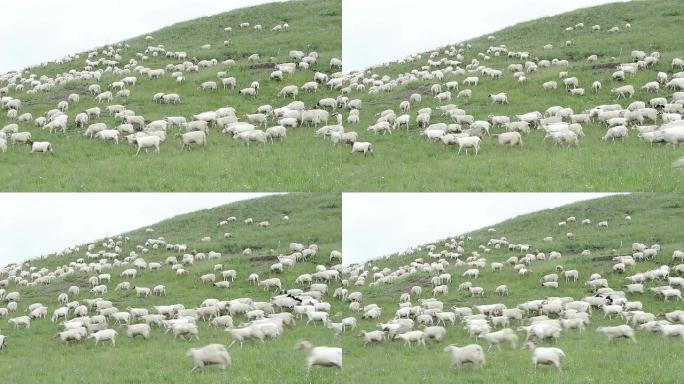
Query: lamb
(321, 356)
(103, 335)
(209, 354)
(471, 353)
(545, 355)
(596, 86)
(134, 330)
(21, 320)
(618, 331)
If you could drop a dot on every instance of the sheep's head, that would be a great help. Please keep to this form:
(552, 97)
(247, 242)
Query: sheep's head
(529, 346)
(303, 345)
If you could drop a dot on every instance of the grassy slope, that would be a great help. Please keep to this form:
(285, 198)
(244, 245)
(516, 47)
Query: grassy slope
(590, 357)
(409, 162)
(300, 163)
(33, 356)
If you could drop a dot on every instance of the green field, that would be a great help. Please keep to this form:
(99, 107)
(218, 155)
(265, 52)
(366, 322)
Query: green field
(33, 355)
(301, 162)
(406, 161)
(591, 358)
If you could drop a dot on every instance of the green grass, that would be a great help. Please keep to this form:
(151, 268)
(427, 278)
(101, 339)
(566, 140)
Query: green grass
(406, 161)
(656, 218)
(32, 355)
(300, 163)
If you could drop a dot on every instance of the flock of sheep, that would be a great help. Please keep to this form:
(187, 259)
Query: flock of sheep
(96, 317)
(456, 71)
(418, 318)
(110, 76)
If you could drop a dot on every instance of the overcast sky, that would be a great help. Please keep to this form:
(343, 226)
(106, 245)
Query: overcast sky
(379, 224)
(34, 31)
(378, 31)
(34, 224)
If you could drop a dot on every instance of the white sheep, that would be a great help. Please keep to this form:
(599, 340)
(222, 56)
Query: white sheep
(471, 353)
(103, 335)
(618, 331)
(545, 355)
(321, 356)
(209, 354)
(502, 336)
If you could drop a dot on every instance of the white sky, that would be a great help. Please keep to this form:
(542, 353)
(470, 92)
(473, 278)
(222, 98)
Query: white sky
(34, 224)
(379, 224)
(378, 31)
(34, 31)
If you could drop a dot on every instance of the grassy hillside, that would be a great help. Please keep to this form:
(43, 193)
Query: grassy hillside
(298, 163)
(590, 357)
(33, 355)
(407, 161)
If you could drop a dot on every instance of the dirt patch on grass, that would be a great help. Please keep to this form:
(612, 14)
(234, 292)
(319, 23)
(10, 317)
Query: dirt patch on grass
(263, 66)
(399, 96)
(604, 66)
(262, 259)
(54, 97)
(601, 258)
(57, 288)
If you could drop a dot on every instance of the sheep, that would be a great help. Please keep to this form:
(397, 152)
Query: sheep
(147, 142)
(672, 330)
(624, 91)
(193, 137)
(362, 147)
(545, 355)
(502, 336)
(617, 132)
(321, 356)
(372, 336)
(618, 331)
(471, 353)
(511, 139)
(499, 98)
(40, 147)
(138, 330)
(103, 335)
(73, 334)
(183, 329)
(468, 142)
(209, 354)
(410, 336)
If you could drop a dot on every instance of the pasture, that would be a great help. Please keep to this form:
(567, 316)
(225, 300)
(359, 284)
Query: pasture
(590, 357)
(32, 354)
